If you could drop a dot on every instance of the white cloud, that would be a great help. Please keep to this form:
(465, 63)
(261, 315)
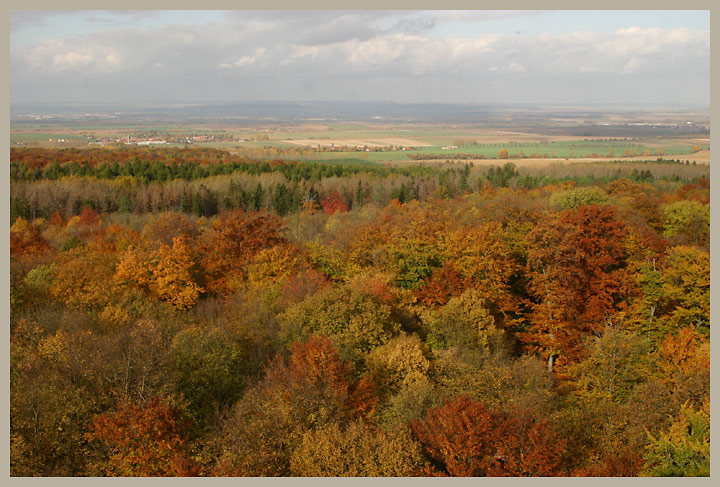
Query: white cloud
(59, 55)
(512, 67)
(72, 59)
(634, 41)
(516, 68)
(305, 52)
(461, 48)
(375, 47)
(375, 52)
(634, 65)
(245, 60)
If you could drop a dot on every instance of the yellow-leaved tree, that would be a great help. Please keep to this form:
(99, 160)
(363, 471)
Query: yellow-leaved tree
(166, 272)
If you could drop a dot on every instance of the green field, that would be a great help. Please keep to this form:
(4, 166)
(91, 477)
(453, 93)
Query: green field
(490, 151)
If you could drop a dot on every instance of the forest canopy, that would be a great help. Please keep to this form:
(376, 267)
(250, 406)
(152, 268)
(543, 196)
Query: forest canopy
(186, 312)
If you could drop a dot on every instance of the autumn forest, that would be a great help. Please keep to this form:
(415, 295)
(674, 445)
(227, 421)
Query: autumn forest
(194, 312)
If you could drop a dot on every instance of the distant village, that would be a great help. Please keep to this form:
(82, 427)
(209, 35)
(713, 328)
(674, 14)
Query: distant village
(141, 139)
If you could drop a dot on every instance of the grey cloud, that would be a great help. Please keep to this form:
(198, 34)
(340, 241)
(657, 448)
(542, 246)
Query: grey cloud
(127, 49)
(415, 25)
(305, 15)
(256, 55)
(20, 19)
(339, 29)
(119, 17)
(478, 15)
(314, 27)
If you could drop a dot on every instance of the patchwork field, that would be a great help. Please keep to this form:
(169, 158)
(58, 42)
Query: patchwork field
(358, 142)
(372, 142)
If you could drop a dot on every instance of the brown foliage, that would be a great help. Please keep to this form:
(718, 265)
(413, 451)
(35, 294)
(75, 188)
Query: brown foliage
(35, 157)
(362, 401)
(229, 244)
(166, 226)
(316, 363)
(88, 217)
(575, 268)
(57, 219)
(333, 203)
(443, 284)
(26, 240)
(302, 285)
(626, 463)
(527, 447)
(144, 441)
(699, 191)
(457, 437)
(463, 438)
(310, 392)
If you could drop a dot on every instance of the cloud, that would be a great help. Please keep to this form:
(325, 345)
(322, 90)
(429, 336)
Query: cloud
(315, 27)
(339, 29)
(376, 52)
(245, 60)
(59, 55)
(251, 53)
(629, 50)
(634, 65)
(299, 52)
(22, 19)
(512, 67)
(478, 15)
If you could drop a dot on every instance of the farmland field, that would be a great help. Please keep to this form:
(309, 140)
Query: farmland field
(395, 143)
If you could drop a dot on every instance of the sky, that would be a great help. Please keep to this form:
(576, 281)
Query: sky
(547, 56)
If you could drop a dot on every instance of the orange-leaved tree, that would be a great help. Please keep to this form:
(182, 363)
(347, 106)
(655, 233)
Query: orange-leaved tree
(26, 240)
(527, 447)
(230, 243)
(147, 440)
(575, 269)
(458, 437)
(464, 438)
(168, 272)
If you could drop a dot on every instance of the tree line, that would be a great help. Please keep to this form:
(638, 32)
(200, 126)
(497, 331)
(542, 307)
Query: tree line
(204, 189)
